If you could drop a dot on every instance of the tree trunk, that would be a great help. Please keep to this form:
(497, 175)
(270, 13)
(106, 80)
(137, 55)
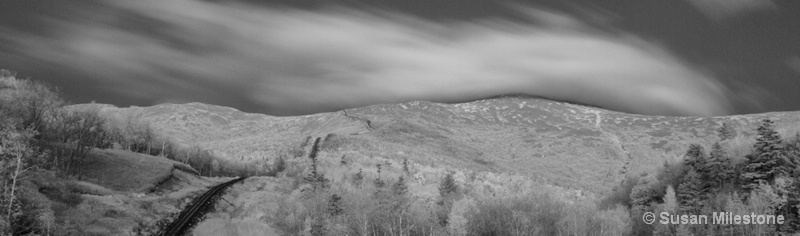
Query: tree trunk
(14, 186)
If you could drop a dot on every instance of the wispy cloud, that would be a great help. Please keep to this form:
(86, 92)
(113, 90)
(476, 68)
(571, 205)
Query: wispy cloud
(290, 61)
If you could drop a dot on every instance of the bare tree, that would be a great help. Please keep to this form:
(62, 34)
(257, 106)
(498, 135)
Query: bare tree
(73, 133)
(14, 153)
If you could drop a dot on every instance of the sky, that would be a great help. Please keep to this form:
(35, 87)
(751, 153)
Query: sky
(294, 57)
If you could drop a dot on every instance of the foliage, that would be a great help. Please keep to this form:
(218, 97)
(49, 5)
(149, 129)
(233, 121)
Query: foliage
(316, 179)
(766, 161)
(670, 205)
(695, 157)
(335, 205)
(768, 184)
(645, 192)
(400, 188)
(72, 134)
(620, 195)
(720, 168)
(15, 157)
(314, 149)
(38, 132)
(447, 185)
(690, 193)
(644, 195)
(541, 214)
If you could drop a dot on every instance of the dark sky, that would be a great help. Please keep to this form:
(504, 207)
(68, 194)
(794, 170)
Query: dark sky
(289, 57)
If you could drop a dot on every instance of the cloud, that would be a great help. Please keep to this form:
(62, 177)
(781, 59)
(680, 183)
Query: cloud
(289, 61)
(723, 10)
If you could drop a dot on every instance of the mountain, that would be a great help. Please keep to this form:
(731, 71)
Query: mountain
(556, 143)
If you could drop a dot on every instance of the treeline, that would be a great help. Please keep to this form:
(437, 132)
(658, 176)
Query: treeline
(765, 182)
(132, 134)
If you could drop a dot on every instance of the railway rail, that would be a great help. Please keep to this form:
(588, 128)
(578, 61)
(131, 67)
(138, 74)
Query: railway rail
(196, 208)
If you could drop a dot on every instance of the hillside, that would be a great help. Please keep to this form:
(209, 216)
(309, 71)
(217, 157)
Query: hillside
(116, 192)
(556, 143)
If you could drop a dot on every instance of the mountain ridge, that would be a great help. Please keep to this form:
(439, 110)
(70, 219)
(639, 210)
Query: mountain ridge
(555, 142)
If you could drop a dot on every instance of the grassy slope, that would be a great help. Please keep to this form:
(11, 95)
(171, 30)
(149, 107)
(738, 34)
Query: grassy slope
(125, 171)
(118, 192)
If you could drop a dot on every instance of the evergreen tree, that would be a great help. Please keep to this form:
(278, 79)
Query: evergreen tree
(358, 177)
(726, 132)
(695, 157)
(719, 167)
(791, 209)
(335, 205)
(792, 151)
(378, 182)
(690, 193)
(399, 198)
(400, 188)
(316, 179)
(314, 149)
(696, 161)
(767, 160)
(448, 185)
(447, 190)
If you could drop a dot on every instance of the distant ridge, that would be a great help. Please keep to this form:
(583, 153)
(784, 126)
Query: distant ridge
(524, 96)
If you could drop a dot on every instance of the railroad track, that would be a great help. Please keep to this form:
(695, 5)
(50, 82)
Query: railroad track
(195, 209)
